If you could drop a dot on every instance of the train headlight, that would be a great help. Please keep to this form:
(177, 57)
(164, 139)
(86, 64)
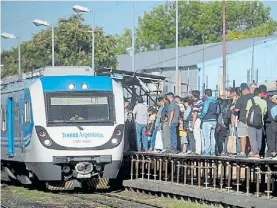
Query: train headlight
(115, 141)
(71, 86)
(84, 86)
(47, 142)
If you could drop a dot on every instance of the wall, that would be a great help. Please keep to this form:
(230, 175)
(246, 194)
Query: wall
(170, 74)
(265, 60)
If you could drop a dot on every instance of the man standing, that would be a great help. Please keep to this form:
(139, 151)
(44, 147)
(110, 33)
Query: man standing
(240, 107)
(208, 116)
(165, 126)
(196, 122)
(174, 114)
(255, 132)
(270, 124)
(141, 117)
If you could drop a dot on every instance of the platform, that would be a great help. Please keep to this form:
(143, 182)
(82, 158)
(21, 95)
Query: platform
(244, 176)
(212, 195)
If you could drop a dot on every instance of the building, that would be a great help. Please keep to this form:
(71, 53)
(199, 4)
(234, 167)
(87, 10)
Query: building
(200, 66)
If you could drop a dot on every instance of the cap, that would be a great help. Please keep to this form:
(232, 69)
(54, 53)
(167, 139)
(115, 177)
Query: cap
(263, 88)
(244, 86)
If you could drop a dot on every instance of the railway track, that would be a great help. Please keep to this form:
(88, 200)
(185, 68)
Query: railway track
(111, 200)
(145, 204)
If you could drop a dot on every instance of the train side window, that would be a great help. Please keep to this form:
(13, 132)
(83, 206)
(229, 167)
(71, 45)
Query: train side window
(4, 120)
(27, 112)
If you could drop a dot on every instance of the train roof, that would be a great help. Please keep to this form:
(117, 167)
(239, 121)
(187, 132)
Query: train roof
(127, 78)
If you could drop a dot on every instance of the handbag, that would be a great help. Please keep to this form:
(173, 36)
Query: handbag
(232, 142)
(182, 133)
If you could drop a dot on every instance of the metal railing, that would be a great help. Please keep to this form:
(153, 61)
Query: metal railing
(247, 176)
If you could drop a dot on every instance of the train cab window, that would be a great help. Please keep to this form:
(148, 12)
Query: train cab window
(90, 108)
(27, 112)
(4, 120)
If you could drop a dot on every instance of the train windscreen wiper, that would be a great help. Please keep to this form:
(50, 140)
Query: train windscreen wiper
(78, 126)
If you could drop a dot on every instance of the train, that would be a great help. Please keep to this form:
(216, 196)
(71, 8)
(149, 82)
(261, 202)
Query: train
(62, 127)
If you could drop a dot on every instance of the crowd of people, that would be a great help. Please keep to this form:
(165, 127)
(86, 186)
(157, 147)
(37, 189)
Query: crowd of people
(243, 125)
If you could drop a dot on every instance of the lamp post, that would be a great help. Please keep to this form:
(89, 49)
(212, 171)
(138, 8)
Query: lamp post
(177, 54)
(39, 22)
(11, 36)
(133, 38)
(80, 9)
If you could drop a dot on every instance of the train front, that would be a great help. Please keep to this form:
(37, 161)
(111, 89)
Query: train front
(79, 127)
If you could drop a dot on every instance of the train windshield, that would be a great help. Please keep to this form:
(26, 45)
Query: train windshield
(74, 107)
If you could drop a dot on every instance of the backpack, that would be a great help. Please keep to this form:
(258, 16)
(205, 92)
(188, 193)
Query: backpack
(224, 117)
(273, 112)
(255, 116)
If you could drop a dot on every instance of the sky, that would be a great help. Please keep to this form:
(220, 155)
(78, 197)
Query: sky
(113, 16)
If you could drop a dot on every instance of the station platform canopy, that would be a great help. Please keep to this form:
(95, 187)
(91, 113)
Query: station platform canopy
(150, 87)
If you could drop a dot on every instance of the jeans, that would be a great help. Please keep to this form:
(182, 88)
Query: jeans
(271, 133)
(238, 141)
(221, 143)
(208, 129)
(166, 135)
(153, 139)
(255, 138)
(140, 130)
(173, 136)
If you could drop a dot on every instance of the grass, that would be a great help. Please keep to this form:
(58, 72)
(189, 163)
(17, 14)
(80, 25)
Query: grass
(13, 195)
(170, 203)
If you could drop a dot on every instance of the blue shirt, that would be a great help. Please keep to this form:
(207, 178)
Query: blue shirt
(210, 109)
(164, 113)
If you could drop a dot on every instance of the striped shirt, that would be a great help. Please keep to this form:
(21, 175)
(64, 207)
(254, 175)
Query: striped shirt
(197, 106)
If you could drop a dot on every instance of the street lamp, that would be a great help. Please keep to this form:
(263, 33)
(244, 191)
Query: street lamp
(11, 36)
(38, 23)
(80, 9)
(177, 49)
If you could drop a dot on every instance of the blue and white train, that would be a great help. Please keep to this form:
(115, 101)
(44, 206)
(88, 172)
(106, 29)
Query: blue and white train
(64, 130)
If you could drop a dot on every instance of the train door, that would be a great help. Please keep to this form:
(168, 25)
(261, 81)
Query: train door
(20, 124)
(10, 127)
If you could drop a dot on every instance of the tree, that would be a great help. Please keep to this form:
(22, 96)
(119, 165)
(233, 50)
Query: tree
(72, 47)
(123, 41)
(198, 20)
(259, 31)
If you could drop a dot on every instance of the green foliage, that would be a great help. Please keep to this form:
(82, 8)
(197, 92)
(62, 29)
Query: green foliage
(123, 41)
(258, 31)
(202, 19)
(72, 47)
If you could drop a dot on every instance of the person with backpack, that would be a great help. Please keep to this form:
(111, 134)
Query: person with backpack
(221, 132)
(208, 118)
(256, 109)
(240, 110)
(270, 127)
